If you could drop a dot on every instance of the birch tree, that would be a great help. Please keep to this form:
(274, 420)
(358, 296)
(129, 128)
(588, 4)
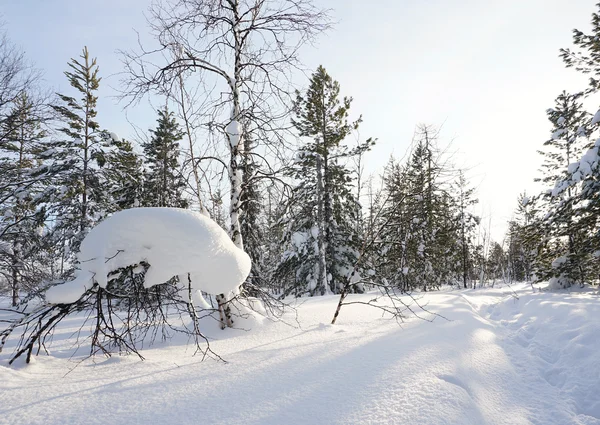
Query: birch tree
(242, 53)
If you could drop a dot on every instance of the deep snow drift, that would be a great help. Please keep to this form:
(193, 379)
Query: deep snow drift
(173, 241)
(496, 360)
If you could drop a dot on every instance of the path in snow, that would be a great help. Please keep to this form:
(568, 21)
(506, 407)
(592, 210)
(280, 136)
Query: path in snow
(497, 361)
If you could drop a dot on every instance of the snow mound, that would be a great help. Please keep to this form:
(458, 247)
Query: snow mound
(172, 241)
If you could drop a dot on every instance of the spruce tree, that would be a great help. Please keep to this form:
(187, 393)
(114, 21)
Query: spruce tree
(163, 182)
(123, 174)
(524, 232)
(251, 223)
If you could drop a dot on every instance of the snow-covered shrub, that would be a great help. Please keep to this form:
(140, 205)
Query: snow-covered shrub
(171, 241)
(135, 270)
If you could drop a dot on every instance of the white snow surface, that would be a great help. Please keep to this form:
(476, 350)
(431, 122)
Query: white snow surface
(173, 241)
(596, 118)
(498, 359)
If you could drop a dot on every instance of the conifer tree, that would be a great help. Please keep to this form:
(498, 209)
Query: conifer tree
(428, 209)
(322, 237)
(163, 183)
(251, 225)
(23, 181)
(563, 247)
(427, 221)
(467, 222)
(123, 174)
(81, 198)
(524, 233)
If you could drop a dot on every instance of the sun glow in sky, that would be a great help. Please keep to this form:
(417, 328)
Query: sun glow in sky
(483, 71)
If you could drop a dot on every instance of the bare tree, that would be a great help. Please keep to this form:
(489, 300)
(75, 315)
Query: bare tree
(17, 76)
(242, 53)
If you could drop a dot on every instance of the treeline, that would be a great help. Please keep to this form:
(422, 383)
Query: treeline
(309, 226)
(280, 169)
(62, 173)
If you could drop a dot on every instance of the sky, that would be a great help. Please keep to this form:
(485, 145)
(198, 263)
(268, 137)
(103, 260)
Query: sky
(483, 71)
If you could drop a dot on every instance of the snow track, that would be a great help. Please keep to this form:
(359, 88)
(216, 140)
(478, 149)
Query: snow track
(498, 360)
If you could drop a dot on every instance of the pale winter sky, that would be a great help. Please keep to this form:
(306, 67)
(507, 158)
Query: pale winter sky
(485, 70)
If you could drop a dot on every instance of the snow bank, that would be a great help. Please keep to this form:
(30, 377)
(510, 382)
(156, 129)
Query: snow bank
(499, 360)
(173, 241)
(552, 338)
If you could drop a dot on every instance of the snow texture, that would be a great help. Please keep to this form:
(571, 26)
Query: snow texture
(596, 118)
(558, 133)
(498, 360)
(172, 241)
(579, 170)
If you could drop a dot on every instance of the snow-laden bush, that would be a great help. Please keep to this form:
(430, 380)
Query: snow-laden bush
(172, 241)
(140, 272)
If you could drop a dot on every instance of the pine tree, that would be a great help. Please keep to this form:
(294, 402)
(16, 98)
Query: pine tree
(322, 237)
(163, 183)
(569, 136)
(467, 222)
(24, 178)
(427, 223)
(585, 58)
(523, 240)
(81, 198)
(251, 226)
(123, 174)
(428, 209)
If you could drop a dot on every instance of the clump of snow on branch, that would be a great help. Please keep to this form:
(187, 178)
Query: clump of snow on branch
(233, 133)
(596, 118)
(579, 170)
(172, 241)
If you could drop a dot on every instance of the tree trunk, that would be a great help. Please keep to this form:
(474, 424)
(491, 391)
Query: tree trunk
(15, 278)
(322, 277)
(235, 160)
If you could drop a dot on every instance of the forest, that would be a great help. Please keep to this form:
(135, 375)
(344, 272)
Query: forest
(248, 138)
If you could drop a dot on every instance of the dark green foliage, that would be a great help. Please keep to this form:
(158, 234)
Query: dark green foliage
(524, 240)
(123, 174)
(24, 179)
(163, 182)
(427, 238)
(81, 198)
(562, 252)
(321, 236)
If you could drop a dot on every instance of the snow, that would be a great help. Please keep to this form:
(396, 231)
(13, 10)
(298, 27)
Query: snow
(596, 118)
(580, 170)
(496, 360)
(559, 261)
(114, 137)
(233, 133)
(558, 133)
(173, 241)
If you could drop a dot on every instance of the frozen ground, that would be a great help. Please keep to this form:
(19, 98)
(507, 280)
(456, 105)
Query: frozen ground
(498, 360)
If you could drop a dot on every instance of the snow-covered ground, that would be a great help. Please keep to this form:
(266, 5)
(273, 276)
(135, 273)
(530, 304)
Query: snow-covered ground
(496, 360)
